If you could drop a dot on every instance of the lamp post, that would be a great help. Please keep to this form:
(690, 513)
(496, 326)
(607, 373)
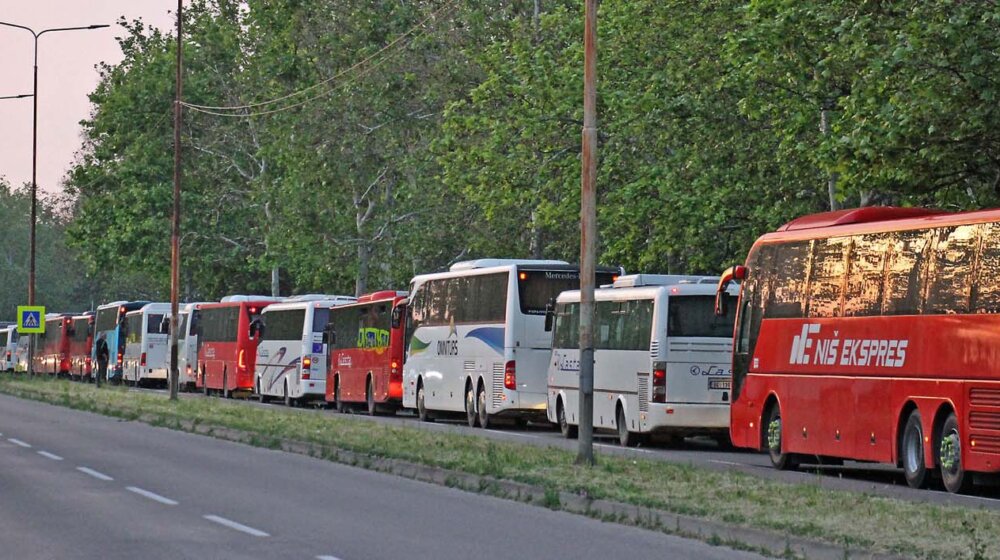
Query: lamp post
(34, 167)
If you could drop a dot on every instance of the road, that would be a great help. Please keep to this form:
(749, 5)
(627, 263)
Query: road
(80, 485)
(879, 479)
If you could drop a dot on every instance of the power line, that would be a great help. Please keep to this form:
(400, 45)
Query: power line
(216, 110)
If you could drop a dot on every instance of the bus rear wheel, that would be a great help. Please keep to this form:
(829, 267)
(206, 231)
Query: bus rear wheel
(289, 401)
(485, 419)
(773, 427)
(338, 401)
(471, 414)
(260, 394)
(370, 398)
(954, 477)
(625, 437)
(567, 431)
(911, 447)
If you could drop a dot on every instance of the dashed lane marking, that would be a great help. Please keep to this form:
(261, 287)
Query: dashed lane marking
(152, 496)
(52, 456)
(18, 442)
(236, 526)
(95, 474)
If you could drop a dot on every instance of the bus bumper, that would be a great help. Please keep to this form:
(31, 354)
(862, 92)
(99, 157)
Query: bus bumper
(521, 404)
(685, 418)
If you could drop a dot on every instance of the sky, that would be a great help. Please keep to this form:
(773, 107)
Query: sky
(66, 74)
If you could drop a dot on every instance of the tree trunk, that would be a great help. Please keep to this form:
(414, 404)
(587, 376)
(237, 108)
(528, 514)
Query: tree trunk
(275, 284)
(535, 243)
(831, 183)
(364, 262)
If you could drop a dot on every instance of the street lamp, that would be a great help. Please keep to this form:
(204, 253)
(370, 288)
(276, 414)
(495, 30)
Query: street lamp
(34, 165)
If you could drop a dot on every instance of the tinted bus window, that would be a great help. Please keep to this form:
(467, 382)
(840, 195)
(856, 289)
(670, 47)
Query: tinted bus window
(133, 328)
(182, 324)
(788, 295)
(624, 325)
(826, 277)
(4, 335)
(284, 325)
(904, 273)
(219, 324)
(321, 316)
(950, 282)
(80, 330)
(480, 299)
(986, 297)
(566, 331)
(866, 275)
(107, 319)
(695, 316)
(153, 324)
(364, 326)
(540, 287)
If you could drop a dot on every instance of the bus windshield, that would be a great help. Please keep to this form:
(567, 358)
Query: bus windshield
(695, 316)
(538, 287)
(107, 319)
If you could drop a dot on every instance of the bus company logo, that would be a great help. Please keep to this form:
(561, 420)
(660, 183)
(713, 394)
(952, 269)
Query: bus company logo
(210, 352)
(809, 347)
(564, 363)
(562, 276)
(344, 361)
(697, 370)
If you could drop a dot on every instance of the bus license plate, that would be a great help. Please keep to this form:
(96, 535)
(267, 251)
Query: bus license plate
(720, 384)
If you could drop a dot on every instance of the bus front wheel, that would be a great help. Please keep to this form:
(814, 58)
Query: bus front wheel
(775, 442)
(485, 419)
(912, 451)
(954, 477)
(471, 414)
(625, 437)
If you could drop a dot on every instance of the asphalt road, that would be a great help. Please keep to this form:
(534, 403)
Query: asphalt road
(872, 478)
(79, 485)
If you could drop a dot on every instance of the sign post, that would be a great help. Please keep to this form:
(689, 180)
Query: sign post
(30, 321)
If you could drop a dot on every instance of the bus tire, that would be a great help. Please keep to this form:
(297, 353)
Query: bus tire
(370, 397)
(567, 431)
(289, 401)
(949, 449)
(625, 437)
(774, 441)
(338, 401)
(911, 451)
(422, 413)
(485, 419)
(260, 394)
(471, 414)
(226, 394)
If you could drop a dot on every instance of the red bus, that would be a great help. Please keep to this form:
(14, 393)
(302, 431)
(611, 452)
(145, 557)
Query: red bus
(52, 346)
(81, 340)
(227, 350)
(872, 335)
(365, 357)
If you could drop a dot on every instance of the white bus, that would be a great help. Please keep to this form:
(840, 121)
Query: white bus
(291, 354)
(8, 348)
(145, 359)
(662, 359)
(187, 345)
(476, 340)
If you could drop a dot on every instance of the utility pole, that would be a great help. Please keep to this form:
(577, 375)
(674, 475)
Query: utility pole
(588, 236)
(175, 231)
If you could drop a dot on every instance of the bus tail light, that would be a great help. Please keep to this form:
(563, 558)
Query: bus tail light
(394, 368)
(64, 365)
(142, 359)
(660, 385)
(241, 362)
(189, 370)
(307, 362)
(510, 375)
(8, 355)
(119, 358)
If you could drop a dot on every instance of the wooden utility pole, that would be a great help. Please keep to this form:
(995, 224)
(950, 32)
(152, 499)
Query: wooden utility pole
(175, 233)
(588, 236)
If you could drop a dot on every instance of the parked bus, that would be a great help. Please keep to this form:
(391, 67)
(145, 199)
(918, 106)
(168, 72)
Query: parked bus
(661, 359)
(21, 354)
(80, 342)
(226, 349)
(147, 337)
(52, 346)
(365, 359)
(291, 353)
(8, 348)
(108, 326)
(187, 345)
(872, 335)
(477, 343)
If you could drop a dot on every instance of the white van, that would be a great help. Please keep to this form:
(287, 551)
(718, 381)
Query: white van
(8, 348)
(662, 359)
(291, 354)
(145, 359)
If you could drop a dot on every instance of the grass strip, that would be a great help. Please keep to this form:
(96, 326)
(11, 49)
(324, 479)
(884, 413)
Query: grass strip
(854, 520)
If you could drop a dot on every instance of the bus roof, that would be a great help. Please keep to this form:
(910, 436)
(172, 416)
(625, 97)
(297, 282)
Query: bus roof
(491, 263)
(648, 292)
(253, 298)
(382, 295)
(319, 297)
(637, 280)
(324, 303)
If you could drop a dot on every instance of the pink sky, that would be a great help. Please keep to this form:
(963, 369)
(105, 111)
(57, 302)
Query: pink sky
(66, 75)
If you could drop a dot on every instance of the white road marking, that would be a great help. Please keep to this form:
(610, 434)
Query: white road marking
(237, 526)
(52, 456)
(514, 434)
(327, 558)
(151, 496)
(95, 474)
(726, 463)
(18, 442)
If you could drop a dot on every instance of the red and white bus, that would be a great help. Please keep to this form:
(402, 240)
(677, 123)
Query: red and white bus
(365, 357)
(81, 340)
(227, 350)
(873, 335)
(52, 354)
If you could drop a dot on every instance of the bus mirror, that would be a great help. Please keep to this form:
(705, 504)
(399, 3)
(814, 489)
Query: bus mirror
(740, 272)
(721, 303)
(397, 317)
(550, 315)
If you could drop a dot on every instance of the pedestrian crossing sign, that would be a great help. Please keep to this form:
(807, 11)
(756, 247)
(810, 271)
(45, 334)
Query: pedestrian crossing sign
(29, 319)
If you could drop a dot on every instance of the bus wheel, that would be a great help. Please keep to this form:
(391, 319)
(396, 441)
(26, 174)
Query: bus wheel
(422, 412)
(289, 401)
(471, 415)
(911, 449)
(484, 417)
(780, 461)
(370, 398)
(226, 393)
(625, 437)
(260, 394)
(567, 431)
(949, 448)
(338, 402)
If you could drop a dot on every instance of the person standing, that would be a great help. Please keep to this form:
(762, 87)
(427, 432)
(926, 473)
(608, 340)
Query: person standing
(103, 355)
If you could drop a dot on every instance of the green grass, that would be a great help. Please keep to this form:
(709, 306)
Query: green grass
(858, 520)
